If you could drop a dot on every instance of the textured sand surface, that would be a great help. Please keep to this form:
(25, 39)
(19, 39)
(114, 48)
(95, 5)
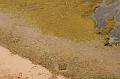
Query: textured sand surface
(15, 67)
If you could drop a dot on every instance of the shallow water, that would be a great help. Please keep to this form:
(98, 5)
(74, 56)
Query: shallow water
(104, 12)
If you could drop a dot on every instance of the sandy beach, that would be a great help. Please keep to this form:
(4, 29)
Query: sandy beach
(16, 67)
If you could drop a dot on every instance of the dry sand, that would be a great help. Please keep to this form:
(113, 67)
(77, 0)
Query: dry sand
(16, 67)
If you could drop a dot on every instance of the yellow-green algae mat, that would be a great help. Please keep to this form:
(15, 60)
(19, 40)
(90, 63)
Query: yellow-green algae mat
(63, 18)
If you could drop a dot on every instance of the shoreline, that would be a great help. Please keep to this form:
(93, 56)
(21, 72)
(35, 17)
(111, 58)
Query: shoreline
(14, 66)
